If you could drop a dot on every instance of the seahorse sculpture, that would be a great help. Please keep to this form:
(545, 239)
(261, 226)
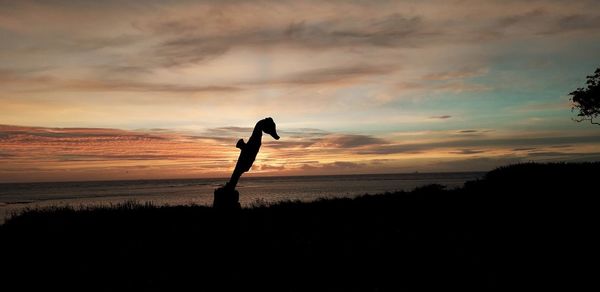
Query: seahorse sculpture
(227, 196)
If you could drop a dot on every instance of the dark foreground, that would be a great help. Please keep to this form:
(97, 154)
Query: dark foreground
(522, 226)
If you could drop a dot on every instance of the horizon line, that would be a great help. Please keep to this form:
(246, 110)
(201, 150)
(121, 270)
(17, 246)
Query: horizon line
(247, 176)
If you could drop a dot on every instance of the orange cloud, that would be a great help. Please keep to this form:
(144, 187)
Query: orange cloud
(41, 154)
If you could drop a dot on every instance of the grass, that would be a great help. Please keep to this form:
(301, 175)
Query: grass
(521, 226)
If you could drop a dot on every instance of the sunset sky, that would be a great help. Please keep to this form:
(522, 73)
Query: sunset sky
(94, 90)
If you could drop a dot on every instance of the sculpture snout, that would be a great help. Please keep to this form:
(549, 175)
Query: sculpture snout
(274, 135)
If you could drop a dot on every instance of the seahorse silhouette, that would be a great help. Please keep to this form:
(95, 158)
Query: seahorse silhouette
(227, 196)
(250, 149)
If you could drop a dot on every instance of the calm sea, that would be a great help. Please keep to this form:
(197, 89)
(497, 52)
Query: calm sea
(14, 197)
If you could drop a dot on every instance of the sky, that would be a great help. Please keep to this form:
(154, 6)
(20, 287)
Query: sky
(101, 90)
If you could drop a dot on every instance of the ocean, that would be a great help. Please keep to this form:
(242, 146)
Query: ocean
(17, 196)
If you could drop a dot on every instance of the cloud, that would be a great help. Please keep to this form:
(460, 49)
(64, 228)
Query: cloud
(573, 22)
(444, 117)
(476, 164)
(343, 164)
(95, 144)
(319, 76)
(296, 138)
(461, 73)
(345, 141)
(548, 153)
(358, 69)
(269, 167)
(229, 131)
(330, 75)
(545, 106)
(25, 134)
(6, 155)
(550, 20)
(517, 142)
(468, 151)
(461, 86)
(51, 153)
(23, 77)
(335, 166)
(473, 132)
(120, 157)
(516, 19)
(50, 83)
(189, 42)
(453, 86)
(524, 149)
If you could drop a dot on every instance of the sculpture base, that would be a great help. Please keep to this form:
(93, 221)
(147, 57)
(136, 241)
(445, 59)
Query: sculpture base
(226, 198)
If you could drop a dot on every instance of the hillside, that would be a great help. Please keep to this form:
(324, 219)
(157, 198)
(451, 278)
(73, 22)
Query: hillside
(525, 225)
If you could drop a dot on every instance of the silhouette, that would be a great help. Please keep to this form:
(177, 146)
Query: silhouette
(227, 197)
(587, 100)
(527, 225)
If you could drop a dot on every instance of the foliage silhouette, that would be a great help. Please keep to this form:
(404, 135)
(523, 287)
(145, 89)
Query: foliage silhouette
(520, 226)
(587, 100)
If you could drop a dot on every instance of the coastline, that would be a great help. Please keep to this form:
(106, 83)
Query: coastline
(523, 225)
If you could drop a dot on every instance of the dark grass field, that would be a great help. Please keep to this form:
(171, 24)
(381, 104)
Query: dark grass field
(525, 226)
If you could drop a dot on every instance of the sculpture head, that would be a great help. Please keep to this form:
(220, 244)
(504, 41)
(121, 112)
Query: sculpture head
(268, 126)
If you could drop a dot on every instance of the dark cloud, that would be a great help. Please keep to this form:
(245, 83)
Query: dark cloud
(561, 146)
(556, 156)
(473, 133)
(23, 77)
(476, 164)
(345, 141)
(330, 75)
(187, 44)
(548, 153)
(524, 149)
(125, 85)
(392, 30)
(461, 73)
(468, 143)
(333, 166)
(540, 21)
(455, 86)
(122, 157)
(574, 22)
(24, 134)
(468, 151)
(289, 133)
(295, 138)
(343, 164)
(268, 167)
(560, 155)
(80, 44)
(441, 117)
(188, 51)
(6, 155)
(517, 19)
(229, 131)
(304, 133)
(111, 70)
(37, 82)
(279, 144)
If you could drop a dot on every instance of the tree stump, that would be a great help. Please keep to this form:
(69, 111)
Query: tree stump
(226, 198)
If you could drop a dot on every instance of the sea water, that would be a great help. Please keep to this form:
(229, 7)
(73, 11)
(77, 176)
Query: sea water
(17, 196)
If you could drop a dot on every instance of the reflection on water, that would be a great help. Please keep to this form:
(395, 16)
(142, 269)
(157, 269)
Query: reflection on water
(14, 197)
